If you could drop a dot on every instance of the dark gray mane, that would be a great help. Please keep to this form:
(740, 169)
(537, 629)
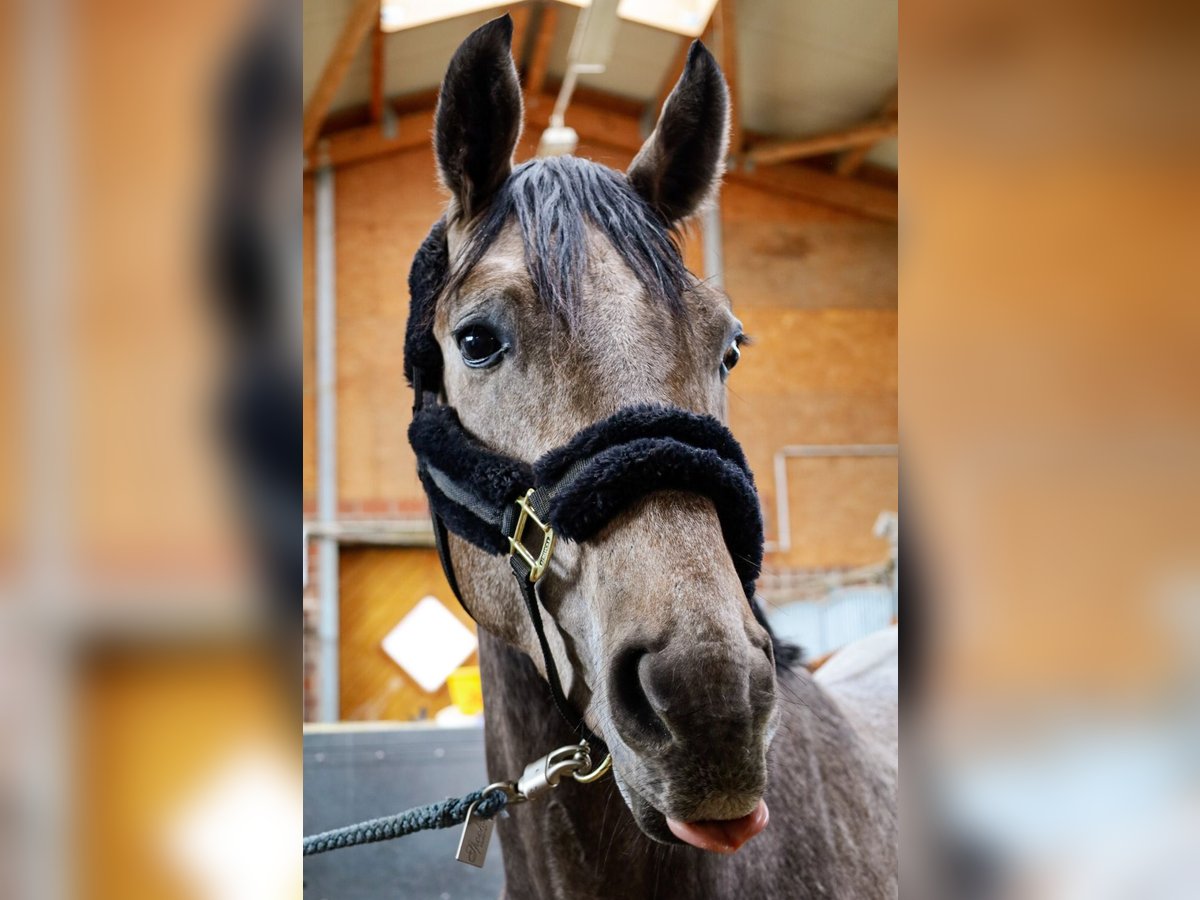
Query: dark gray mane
(553, 201)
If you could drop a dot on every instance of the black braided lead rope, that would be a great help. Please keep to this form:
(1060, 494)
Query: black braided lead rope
(446, 814)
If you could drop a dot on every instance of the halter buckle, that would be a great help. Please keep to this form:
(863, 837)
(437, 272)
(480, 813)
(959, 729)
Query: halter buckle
(516, 542)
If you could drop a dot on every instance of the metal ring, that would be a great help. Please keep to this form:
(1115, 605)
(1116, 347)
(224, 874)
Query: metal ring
(596, 774)
(509, 789)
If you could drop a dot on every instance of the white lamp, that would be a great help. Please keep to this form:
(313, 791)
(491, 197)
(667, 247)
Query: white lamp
(591, 49)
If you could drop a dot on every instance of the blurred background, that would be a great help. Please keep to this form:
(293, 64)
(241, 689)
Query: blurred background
(166, 169)
(150, 450)
(1051, 429)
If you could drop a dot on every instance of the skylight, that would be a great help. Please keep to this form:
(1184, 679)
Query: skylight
(683, 17)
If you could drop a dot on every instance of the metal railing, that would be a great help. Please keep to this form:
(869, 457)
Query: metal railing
(783, 524)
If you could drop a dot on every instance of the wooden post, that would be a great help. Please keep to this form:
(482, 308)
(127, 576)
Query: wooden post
(377, 72)
(364, 14)
(674, 70)
(724, 25)
(535, 77)
(852, 160)
(520, 17)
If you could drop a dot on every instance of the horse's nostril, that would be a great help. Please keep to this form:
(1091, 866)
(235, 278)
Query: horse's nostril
(761, 638)
(634, 714)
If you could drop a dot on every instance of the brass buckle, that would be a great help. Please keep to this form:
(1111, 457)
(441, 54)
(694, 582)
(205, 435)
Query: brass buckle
(537, 565)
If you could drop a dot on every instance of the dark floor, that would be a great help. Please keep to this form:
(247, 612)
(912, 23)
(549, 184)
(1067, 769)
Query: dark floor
(352, 775)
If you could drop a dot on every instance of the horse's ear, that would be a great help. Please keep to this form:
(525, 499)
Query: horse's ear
(680, 166)
(479, 114)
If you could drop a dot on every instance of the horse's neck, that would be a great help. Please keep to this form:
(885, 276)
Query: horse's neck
(832, 812)
(521, 720)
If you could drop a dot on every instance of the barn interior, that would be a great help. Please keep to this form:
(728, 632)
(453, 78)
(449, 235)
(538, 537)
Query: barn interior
(803, 239)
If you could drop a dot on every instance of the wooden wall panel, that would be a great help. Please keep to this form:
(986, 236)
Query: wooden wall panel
(816, 289)
(384, 210)
(378, 588)
(782, 252)
(820, 377)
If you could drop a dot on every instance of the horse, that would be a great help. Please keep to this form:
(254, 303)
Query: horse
(735, 771)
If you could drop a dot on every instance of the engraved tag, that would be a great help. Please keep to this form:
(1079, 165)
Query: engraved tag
(476, 836)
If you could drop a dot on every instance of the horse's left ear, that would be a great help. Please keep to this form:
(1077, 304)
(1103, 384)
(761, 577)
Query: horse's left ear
(680, 166)
(479, 114)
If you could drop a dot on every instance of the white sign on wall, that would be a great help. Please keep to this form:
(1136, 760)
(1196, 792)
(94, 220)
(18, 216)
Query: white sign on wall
(429, 643)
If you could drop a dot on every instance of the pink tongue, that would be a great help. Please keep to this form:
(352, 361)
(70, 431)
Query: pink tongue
(721, 835)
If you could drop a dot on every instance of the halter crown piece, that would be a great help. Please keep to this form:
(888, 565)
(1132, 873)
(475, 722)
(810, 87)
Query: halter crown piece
(509, 507)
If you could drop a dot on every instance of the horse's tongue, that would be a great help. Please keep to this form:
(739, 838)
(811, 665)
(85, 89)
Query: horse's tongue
(721, 835)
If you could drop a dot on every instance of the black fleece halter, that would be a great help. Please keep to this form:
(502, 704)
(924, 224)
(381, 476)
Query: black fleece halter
(508, 507)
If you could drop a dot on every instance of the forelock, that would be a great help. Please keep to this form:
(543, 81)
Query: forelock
(553, 201)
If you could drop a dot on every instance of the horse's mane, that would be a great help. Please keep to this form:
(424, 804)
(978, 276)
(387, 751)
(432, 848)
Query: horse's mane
(553, 201)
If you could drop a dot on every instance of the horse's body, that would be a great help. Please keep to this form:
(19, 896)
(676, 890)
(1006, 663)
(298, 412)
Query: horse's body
(567, 301)
(832, 795)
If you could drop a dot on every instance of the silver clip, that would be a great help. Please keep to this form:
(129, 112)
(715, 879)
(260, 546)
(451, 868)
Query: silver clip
(543, 774)
(540, 776)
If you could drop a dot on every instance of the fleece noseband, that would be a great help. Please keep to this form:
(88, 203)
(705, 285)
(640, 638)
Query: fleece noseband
(508, 507)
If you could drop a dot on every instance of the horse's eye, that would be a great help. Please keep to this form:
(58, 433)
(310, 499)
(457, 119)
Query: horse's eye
(479, 346)
(732, 354)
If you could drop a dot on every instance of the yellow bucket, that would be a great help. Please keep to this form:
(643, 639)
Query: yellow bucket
(466, 691)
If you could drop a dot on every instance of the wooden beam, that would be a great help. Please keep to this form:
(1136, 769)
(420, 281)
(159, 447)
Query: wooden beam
(593, 124)
(364, 14)
(725, 30)
(520, 16)
(598, 99)
(354, 145)
(891, 106)
(606, 128)
(804, 183)
(851, 161)
(377, 63)
(869, 133)
(418, 101)
(535, 77)
(617, 131)
(674, 70)
(675, 67)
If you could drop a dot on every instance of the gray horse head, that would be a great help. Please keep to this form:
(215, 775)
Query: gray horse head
(567, 300)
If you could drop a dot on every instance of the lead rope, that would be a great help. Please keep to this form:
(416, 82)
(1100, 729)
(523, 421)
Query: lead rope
(476, 811)
(446, 814)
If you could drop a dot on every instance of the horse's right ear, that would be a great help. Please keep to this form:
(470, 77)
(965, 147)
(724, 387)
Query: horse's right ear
(479, 115)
